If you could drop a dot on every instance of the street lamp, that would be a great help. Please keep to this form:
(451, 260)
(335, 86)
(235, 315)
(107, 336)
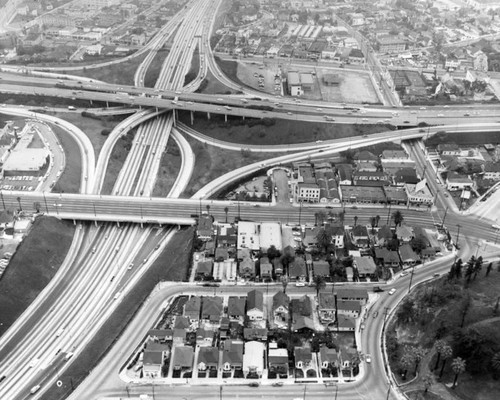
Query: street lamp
(458, 235)
(57, 205)
(300, 211)
(3, 202)
(45, 201)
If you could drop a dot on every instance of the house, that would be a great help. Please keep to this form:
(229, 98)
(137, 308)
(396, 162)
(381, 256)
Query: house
(365, 155)
(404, 233)
(178, 336)
(408, 257)
(204, 337)
(297, 270)
(351, 308)
(278, 360)
(492, 170)
(308, 192)
(281, 306)
(181, 322)
(236, 308)
(345, 323)
(154, 354)
(329, 358)
(255, 334)
(204, 268)
(326, 307)
(384, 235)
(359, 295)
(232, 355)
(337, 232)
(449, 149)
(212, 309)
(266, 268)
(359, 236)
(208, 358)
(456, 181)
(183, 357)
(344, 173)
(253, 359)
(278, 267)
(192, 309)
(255, 305)
(388, 258)
(205, 228)
(365, 265)
(302, 357)
(419, 194)
(321, 268)
(160, 335)
(247, 268)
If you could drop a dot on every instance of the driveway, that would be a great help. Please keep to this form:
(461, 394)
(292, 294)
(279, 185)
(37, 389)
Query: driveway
(280, 180)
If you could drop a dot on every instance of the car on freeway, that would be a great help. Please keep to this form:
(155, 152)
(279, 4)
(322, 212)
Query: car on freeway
(466, 115)
(289, 113)
(219, 99)
(300, 284)
(253, 384)
(440, 115)
(436, 275)
(278, 384)
(35, 389)
(495, 226)
(404, 273)
(368, 358)
(319, 141)
(392, 291)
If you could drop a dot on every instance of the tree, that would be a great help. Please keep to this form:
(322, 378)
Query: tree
(320, 217)
(446, 353)
(458, 367)
(478, 265)
(36, 206)
(488, 268)
(398, 218)
(418, 354)
(418, 243)
(469, 269)
(208, 209)
(439, 345)
(284, 283)
(319, 283)
(377, 219)
(226, 210)
(324, 238)
(406, 361)
(19, 201)
(428, 380)
(342, 217)
(355, 220)
(273, 252)
(465, 307)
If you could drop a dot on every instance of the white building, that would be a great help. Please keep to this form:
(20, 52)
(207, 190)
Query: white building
(270, 235)
(253, 359)
(248, 235)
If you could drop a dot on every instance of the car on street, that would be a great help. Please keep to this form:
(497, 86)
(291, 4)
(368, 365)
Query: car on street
(495, 226)
(392, 291)
(404, 273)
(368, 358)
(278, 384)
(253, 384)
(300, 284)
(377, 289)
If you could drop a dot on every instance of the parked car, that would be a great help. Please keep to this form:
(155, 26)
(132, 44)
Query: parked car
(392, 291)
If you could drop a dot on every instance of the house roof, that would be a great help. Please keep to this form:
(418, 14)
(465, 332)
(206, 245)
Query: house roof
(255, 300)
(236, 306)
(344, 171)
(346, 322)
(212, 306)
(208, 355)
(280, 299)
(352, 293)
(152, 357)
(365, 265)
(233, 352)
(404, 231)
(366, 156)
(349, 305)
(193, 305)
(406, 253)
(329, 355)
(298, 267)
(389, 256)
(326, 301)
(278, 356)
(360, 231)
(181, 322)
(254, 355)
(205, 267)
(384, 232)
(302, 306)
(183, 356)
(302, 354)
(321, 268)
(254, 333)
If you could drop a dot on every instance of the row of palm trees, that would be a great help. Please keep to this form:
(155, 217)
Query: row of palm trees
(322, 217)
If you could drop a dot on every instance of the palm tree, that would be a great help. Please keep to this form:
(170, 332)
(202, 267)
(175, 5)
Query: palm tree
(208, 209)
(439, 345)
(495, 361)
(342, 216)
(458, 367)
(320, 217)
(36, 206)
(226, 210)
(478, 265)
(377, 219)
(418, 354)
(398, 218)
(355, 220)
(319, 283)
(19, 201)
(446, 353)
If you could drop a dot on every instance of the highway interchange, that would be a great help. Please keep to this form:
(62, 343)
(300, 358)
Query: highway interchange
(92, 278)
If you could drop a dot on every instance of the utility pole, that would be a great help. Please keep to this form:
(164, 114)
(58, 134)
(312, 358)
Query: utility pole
(3, 202)
(300, 211)
(386, 313)
(411, 279)
(44, 199)
(389, 213)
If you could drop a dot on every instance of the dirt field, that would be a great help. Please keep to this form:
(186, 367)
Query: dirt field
(353, 88)
(246, 73)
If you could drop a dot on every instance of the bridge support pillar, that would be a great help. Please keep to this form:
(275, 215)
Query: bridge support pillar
(118, 224)
(192, 117)
(74, 222)
(142, 225)
(95, 223)
(225, 117)
(91, 103)
(107, 104)
(243, 117)
(208, 115)
(174, 116)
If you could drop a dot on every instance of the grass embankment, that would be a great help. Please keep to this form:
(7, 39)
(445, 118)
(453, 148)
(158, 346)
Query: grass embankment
(154, 69)
(92, 127)
(120, 73)
(466, 317)
(70, 179)
(463, 138)
(194, 69)
(171, 265)
(170, 165)
(37, 102)
(117, 159)
(212, 162)
(32, 267)
(273, 131)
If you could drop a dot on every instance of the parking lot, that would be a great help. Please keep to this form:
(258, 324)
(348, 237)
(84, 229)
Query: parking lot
(20, 182)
